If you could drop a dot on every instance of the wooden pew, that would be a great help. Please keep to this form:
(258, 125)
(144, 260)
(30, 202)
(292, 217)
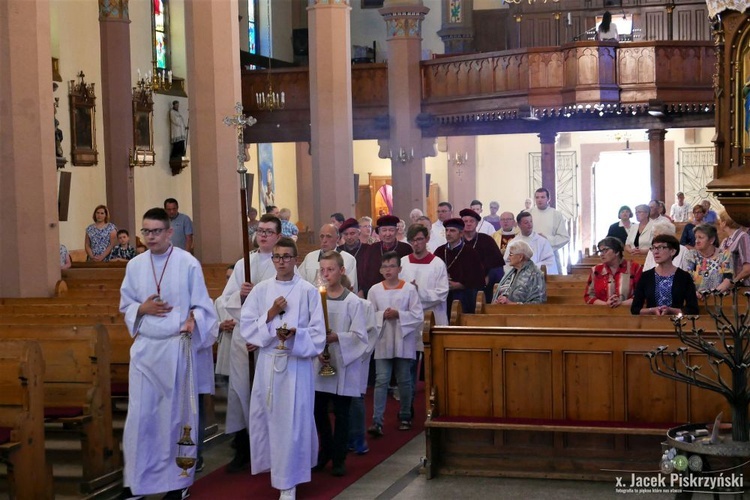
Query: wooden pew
(551, 402)
(77, 392)
(22, 420)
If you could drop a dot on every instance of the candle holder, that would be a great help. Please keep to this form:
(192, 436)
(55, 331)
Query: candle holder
(327, 370)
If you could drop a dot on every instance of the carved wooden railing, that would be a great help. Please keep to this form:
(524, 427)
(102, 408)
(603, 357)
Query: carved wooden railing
(476, 93)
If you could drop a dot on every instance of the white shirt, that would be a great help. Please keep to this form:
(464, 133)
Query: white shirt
(432, 285)
(543, 254)
(680, 213)
(310, 267)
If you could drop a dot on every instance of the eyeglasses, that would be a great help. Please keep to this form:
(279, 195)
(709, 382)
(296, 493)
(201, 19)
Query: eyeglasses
(155, 232)
(419, 238)
(389, 266)
(660, 248)
(278, 258)
(604, 249)
(265, 232)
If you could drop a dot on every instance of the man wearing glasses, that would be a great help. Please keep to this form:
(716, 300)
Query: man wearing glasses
(508, 230)
(235, 292)
(171, 317)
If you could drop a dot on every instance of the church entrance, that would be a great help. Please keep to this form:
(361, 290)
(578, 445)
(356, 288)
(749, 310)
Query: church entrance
(620, 178)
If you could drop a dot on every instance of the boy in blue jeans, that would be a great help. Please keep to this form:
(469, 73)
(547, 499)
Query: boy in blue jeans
(399, 315)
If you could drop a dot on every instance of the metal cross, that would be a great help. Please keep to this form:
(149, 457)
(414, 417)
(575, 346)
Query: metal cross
(240, 121)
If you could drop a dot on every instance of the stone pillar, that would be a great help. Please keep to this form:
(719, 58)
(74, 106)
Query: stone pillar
(213, 70)
(656, 151)
(29, 233)
(117, 110)
(457, 29)
(462, 171)
(404, 39)
(549, 179)
(330, 108)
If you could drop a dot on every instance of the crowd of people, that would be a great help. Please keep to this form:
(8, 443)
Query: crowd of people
(709, 256)
(297, 342)
(274, 338)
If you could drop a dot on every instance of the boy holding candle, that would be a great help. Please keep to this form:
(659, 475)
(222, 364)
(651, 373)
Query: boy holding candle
(347, 341)
(286, 309)
(400, 317)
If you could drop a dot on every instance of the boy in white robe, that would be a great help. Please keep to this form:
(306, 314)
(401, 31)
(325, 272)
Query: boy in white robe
(281, 425)
(236, 290)
(399, 314)
(429, 275)
(347, 341)
(357, 441)
(167, 308)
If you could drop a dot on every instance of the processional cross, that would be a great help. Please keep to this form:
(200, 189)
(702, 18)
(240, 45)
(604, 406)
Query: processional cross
(240, 121)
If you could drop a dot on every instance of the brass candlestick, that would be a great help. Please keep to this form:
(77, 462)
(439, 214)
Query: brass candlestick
(327, 370)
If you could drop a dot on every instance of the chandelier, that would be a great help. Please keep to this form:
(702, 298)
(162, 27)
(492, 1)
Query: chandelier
(157, 80)
(270, 99)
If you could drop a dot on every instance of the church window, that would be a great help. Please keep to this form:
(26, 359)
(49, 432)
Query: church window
(160, 23)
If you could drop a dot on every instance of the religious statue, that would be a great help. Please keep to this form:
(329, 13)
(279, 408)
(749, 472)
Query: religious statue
(178, 131)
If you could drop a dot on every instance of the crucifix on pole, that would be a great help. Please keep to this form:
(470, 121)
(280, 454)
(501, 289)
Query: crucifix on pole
(240, 121)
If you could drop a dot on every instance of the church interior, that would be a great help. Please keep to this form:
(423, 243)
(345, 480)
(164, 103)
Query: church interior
(364, 108)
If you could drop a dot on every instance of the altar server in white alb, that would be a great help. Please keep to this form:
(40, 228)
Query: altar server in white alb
(329, 237)
(399, 314)
(167, 308)
(235, 292)
(282, 426)
(347, 342)
(427, 273)
(357, 441)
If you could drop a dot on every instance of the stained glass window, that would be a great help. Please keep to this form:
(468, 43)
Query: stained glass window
(161, 34)
(252, 27)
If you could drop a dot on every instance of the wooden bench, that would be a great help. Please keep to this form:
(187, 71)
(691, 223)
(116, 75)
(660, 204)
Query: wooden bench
(551, 401)
(22, 420)
(77, 392)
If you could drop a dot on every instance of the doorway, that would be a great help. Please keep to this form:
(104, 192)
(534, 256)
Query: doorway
(620, 178)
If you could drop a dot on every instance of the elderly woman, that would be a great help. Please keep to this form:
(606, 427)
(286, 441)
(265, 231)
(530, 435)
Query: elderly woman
(366, 235)
(737, 242)
(665, 289)
(664, 227)
(688, 237)
(612, 283)
(639, 236)
(710, 267)
(524, 283)
(621, 228)
(101, 236)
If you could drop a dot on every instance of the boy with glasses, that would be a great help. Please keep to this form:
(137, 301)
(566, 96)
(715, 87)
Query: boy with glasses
(170, 316)
(400, 317)
(235, 292)
(284, 318)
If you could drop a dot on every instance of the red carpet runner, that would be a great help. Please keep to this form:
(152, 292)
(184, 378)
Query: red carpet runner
(324, 486)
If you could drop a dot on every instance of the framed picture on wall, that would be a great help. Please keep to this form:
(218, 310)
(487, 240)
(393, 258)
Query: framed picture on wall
(82, 122)
(143, 127)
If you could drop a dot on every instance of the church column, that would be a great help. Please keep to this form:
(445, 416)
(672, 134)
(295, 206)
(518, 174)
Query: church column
(656, 151)
(457, 29)
(330, 109)
(462, 171)
(549, 179)
(117, 109)
(404, 39)
(213, 70)
(29, 234)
